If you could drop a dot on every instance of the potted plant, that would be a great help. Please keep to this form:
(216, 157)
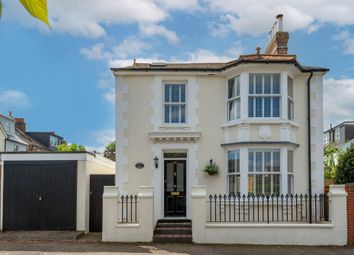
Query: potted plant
(211, 168)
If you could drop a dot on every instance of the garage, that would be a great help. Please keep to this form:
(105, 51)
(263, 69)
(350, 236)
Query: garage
(52, 191)
(40, 195)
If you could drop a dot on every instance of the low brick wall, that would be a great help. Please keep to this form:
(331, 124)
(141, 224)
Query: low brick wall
(350, 213)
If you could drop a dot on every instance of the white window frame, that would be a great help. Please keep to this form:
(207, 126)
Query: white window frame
(291, 101)
(254, 173)
(236, 174)
(337, 134)
(175, 103)
(263, 96)
(237, 87)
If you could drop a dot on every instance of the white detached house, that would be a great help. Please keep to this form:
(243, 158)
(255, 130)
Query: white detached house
(259, 118)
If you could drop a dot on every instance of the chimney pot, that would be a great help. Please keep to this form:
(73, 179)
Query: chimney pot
(258, 50)
(278, 44)
(20, 124)
(10, 114)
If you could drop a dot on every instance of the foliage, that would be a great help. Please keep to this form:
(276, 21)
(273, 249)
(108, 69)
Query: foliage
(37, 8)
(211, 169)
(110, 151)
(331, 153)
(70, 147)
(345, 167)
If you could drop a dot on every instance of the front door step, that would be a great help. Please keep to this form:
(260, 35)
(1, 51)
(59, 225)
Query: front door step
(173, 231)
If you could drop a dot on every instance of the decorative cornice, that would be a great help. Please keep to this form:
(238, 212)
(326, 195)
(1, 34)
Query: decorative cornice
(174, 137)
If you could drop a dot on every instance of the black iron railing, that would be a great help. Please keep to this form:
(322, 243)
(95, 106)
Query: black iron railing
(128, 209)
(267, 208)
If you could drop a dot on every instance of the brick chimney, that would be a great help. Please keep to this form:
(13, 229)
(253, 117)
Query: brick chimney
(278, 39)
(20, 124)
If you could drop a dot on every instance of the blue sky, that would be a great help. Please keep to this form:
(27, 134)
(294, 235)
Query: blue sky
(59, 79)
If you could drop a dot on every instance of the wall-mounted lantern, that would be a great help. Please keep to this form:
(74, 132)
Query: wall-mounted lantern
(156, 160)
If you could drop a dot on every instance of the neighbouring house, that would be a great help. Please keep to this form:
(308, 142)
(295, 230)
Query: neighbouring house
(50, 139)
(258, 118)
(3, 137)
(12, 142)
(340, 135)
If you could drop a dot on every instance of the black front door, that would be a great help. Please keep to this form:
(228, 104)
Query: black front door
(175, 187)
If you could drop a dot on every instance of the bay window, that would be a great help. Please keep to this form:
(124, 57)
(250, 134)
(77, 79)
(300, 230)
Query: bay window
(264, 95)
(264, 172)
(290, 172)
(175, 103)
(290, 99)
(233, 173)
(233, 99)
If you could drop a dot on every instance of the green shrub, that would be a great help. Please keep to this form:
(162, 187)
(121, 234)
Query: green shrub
(345, 167)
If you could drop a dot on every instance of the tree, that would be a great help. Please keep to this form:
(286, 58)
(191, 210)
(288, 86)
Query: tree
(70, 147)
(110, 151)
(331, 153)
(37, 8)
(345, 168)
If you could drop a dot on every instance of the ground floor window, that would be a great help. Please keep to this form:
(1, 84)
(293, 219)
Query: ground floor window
(264, 172)
(233, 172)
(290, 172)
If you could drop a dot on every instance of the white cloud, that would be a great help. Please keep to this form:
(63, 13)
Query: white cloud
(338, 101)
(347, 41)
(13, 99)
(153, 29)
(104, 136)
(187, 5)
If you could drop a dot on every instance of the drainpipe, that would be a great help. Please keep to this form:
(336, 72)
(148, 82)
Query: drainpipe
(309, 144)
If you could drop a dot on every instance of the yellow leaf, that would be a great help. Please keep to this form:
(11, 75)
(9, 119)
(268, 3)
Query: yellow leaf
(37, 8)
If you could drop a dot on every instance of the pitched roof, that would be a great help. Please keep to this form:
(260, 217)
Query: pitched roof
(30, 140)
(218, 67)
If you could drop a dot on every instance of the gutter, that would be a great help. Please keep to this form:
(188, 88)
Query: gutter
(309, 144)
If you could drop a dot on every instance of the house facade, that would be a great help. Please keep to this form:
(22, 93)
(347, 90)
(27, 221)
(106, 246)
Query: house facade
(12, 142)
(340, 135)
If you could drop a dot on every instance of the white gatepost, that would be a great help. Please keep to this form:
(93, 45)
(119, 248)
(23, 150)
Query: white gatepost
(113, 230)
(338, 212)
(199, 197)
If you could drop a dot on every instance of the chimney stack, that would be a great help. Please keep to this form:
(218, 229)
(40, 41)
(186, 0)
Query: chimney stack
(278, 39)
(20, 124)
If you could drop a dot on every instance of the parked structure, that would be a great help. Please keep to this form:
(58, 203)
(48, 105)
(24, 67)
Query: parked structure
(12, 142)
(258, 118)
(340, 135)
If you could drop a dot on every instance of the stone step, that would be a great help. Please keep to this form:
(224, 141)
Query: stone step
(172, 230)
(174, 220)
(173, 238)
(174, 224)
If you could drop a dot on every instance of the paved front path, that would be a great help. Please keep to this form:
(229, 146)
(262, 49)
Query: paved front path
(94, 247)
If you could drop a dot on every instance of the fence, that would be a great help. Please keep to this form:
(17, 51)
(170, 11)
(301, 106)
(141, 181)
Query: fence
(267, 208)
(128, 209)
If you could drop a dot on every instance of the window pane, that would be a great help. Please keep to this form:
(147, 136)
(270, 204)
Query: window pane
(174, 114)
(250, 106)
(290, 161)
(231, 109)
(167, 113)
(267, 106)
(167, 93)
(259, 84)
(258, 184)
(259, 161)
(180, 177)
(238, 108)
(183, 113)
(238, 181)
(290, 87)
(276, 184)
(231, 183)
(290, 109)
(268, 161)
(258, 107)
(251, 183)
(231, 89)
(267, 84)
(231, 161)
(276, 106)
(238, 85)
(183, 93)
(290, 184)
(251, 81)
(276, 161)
(175, 93)
(250, 161)
(276, 83)
(267, 184)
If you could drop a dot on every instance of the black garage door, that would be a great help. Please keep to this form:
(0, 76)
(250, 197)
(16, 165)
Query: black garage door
(40, 195)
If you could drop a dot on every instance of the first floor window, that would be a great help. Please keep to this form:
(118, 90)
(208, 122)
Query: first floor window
(264, 172)
(175, 103)
(233, 172)
(290, 99)
(233, 99)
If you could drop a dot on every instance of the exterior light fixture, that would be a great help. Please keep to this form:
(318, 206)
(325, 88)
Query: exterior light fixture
(211, 161)
(156, 160)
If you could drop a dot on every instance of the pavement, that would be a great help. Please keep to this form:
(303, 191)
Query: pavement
(91, 244)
